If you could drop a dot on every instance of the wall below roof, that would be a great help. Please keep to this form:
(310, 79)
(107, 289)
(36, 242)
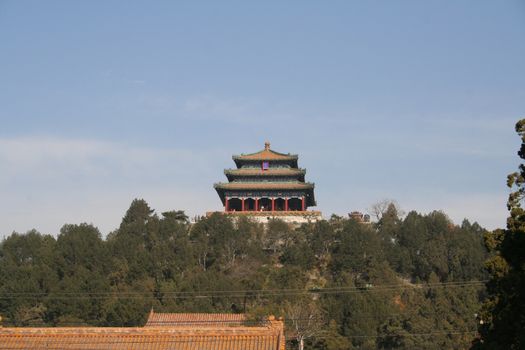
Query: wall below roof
(264, 217)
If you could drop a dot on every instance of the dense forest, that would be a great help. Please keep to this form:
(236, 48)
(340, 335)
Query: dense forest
(410, 282)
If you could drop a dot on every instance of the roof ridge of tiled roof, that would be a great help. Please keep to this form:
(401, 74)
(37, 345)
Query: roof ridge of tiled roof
(188, 330)
(197, 313)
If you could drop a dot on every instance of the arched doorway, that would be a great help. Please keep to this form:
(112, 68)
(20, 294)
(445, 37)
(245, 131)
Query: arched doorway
(234, 204)
(249, 204)
(265, 204)
(295, 204)
(279, 204)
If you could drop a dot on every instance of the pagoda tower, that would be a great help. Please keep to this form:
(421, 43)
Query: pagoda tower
(268, 184)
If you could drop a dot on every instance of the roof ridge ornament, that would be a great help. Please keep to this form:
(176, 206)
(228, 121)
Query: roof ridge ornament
(267, 146)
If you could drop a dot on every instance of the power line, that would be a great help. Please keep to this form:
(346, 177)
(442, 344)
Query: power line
(206, 323)
(397, 334)
(236, 293)
(296, 289)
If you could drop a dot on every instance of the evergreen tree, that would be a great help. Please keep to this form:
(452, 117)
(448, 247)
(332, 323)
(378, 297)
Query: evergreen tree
(503, 321)
(375, 285)
(26, 267)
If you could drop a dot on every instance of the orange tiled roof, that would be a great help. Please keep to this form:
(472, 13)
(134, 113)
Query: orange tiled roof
(184, 320)
(264, 185)
(270, 337)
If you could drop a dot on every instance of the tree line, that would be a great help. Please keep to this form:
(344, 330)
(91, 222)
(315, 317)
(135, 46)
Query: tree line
(415, 281)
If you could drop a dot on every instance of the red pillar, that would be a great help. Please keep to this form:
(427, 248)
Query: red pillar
(242, 204)
(256, 204)
(302, 204)
(286, 204)
(226, 204)
(273, 204)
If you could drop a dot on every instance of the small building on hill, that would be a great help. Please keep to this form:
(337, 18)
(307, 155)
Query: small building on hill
(359, 217)
(266, 185)
(162, 332)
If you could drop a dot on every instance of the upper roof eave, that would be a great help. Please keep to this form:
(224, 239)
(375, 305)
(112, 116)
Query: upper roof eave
(266, 154)
(270, 171)
(264, 185)
(308, 187)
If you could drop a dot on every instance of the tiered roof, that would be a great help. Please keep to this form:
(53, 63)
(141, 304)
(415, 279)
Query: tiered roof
(282, 175)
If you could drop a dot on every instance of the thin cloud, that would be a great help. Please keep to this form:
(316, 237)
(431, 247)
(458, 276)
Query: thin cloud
(24, 153)
(46, 182)
(231, 110)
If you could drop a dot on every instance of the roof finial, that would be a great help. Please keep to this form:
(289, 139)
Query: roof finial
(266, 146)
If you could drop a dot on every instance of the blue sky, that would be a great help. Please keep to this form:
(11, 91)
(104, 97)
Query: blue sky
(105, 101)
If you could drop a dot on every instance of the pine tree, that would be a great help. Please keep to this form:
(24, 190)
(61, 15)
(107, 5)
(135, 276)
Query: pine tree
(503, 320)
